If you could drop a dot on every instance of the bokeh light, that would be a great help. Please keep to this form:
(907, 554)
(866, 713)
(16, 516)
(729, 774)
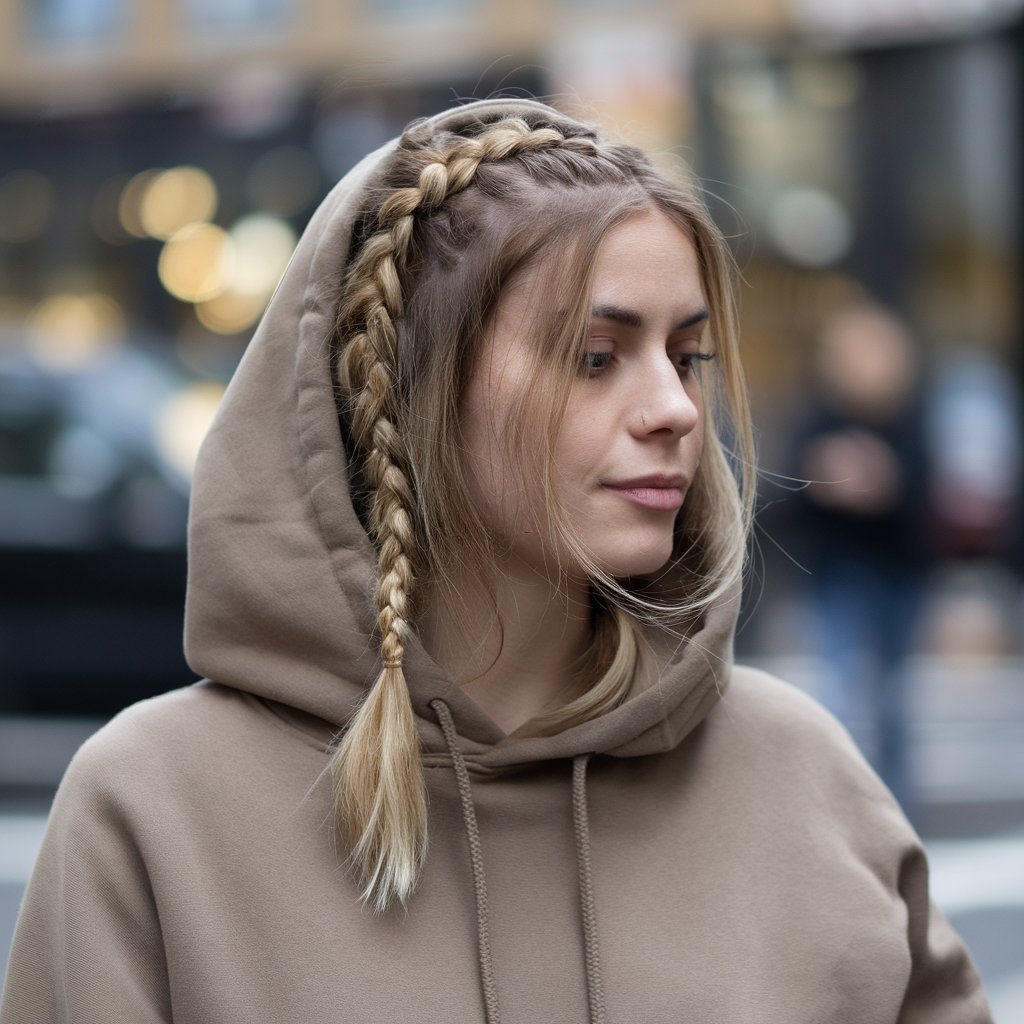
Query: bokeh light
(263, 245)
(182, 423)
(175, 198)
(260, 247)
(809, 227)
(67, 332)
(129, 207)
(196, 262)
(230, 312)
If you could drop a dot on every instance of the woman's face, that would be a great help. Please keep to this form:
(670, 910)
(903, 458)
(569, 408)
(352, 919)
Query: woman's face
(631, 438)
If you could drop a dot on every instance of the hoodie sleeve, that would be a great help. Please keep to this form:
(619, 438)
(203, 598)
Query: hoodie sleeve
(944, 986)
(87, 947)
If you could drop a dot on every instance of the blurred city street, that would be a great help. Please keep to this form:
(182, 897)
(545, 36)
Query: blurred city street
(968, 746)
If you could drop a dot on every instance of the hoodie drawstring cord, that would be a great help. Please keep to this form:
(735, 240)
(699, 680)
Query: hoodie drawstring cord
(581, 831)
(476, 857)
(581, 835)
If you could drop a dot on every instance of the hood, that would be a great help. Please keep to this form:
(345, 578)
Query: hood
(280, 582)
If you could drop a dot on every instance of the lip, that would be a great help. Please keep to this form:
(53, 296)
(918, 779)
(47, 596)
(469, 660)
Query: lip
(660, 491)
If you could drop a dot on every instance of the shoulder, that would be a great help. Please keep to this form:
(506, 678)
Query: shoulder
(756, 699)
(783, 741)
(832, 841)
(153, 728)
(129, 755)
(171, 747)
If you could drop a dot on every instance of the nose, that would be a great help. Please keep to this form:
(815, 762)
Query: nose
(665, 404)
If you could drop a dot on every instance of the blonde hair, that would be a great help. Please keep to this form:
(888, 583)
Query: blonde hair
(457, 216)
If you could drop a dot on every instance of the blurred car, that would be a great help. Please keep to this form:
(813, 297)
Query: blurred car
(92, 534)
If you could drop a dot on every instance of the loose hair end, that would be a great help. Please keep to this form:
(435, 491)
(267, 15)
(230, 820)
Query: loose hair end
(380, 803)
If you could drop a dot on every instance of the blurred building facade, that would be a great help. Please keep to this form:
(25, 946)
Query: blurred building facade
(158, 160)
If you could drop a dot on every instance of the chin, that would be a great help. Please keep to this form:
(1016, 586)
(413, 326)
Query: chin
(636, 561)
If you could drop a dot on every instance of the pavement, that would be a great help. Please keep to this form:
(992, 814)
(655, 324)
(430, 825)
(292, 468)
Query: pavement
(967, 746)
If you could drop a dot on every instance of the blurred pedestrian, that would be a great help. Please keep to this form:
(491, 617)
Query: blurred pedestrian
(865, 525)
(465, 557)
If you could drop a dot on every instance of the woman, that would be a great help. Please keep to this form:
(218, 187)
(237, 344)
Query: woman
(504, 628)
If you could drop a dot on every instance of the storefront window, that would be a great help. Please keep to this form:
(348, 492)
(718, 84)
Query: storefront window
(421, 9)
(76, 22)
(256, 16)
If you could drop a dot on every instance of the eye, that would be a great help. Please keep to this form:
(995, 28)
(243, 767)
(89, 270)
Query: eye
(685, 361)
(594, 360)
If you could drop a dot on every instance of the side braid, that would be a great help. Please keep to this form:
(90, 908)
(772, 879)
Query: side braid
(380, 800)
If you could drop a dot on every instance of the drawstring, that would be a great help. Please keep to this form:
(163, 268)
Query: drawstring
(476, 856)
(581, 830)
(581, 834)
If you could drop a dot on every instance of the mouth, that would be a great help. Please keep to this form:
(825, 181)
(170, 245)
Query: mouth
(659, 492)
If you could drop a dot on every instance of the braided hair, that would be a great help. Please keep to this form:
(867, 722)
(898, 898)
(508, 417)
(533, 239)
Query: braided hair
(458, 213)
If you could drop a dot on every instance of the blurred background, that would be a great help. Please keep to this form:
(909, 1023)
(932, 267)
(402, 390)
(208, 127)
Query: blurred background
(158, 160)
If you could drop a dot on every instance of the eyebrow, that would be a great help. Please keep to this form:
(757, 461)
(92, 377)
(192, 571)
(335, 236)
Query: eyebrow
(631, 318)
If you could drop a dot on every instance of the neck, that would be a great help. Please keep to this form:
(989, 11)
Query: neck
(513, 655)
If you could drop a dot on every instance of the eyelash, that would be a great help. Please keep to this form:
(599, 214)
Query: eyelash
(685, 367)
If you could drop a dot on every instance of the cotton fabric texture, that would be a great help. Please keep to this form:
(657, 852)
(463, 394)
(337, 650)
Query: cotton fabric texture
(725, 854)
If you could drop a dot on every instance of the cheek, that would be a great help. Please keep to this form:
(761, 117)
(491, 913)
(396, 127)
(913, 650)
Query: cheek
(477, 449)
(490, 462)
(583, 437)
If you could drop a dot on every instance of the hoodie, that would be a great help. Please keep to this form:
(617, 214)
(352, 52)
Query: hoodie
(713, 849)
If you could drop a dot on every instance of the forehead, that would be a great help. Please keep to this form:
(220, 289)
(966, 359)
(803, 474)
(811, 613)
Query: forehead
(648, 258)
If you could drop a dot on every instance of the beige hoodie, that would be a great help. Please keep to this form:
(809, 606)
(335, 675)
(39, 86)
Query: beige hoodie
(714, 850)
